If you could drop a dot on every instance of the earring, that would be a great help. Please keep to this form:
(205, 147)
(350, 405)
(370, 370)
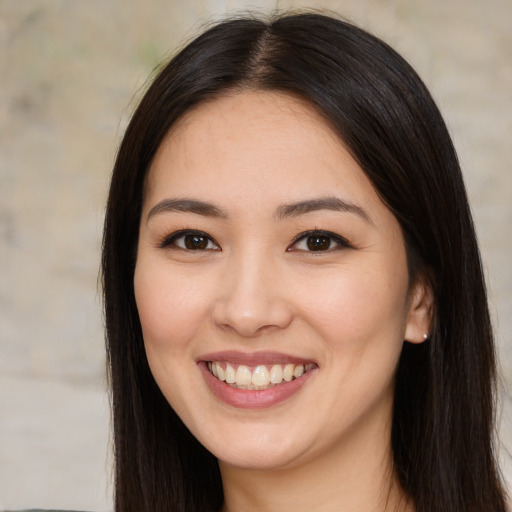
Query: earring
(425, 336)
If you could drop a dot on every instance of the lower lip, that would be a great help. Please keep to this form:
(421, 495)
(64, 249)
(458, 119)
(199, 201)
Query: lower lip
(253, 399)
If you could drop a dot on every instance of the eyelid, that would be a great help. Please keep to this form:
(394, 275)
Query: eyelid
(168, 240)
(338, 239)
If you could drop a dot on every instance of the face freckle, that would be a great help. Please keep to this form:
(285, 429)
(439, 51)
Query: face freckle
(260, 174)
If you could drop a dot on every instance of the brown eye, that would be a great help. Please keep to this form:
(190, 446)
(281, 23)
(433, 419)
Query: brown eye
(194, 242)
(318, 243)
(190, 241)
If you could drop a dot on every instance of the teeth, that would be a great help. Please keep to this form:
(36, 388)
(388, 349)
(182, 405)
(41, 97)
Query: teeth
(221, 374)
(276, 374)
(298, 371)
(230, 374)
(260, 377)
(288, 372)
(243, 376)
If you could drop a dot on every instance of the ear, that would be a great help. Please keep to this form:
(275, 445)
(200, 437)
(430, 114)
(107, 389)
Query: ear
(421, 310)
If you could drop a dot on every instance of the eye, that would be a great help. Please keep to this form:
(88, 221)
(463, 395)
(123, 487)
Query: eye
(190, 240)
(318, 241)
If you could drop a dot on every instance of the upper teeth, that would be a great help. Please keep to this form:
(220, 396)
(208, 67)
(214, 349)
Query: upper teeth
(259, 377)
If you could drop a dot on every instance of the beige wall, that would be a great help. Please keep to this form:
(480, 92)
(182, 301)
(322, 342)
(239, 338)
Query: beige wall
(69, 70)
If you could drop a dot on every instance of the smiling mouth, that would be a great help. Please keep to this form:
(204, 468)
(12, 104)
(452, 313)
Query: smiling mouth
(257, 377)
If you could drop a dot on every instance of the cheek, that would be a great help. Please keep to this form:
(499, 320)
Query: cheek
(353, 308)
(360, 318)
(170, 306)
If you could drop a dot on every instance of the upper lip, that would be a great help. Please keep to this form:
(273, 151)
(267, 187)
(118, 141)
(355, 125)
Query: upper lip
(253, 358)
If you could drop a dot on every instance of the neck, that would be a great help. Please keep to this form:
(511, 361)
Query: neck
(355, 476)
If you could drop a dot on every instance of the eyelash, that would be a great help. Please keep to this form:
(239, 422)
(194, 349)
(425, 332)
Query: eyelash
(339, 241)
(171, 239)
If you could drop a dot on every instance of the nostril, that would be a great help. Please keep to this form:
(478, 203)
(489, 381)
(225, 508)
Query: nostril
(252, 318)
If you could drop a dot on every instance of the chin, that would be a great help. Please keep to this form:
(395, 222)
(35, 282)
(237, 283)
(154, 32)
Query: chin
(256, 460)
(256, 448)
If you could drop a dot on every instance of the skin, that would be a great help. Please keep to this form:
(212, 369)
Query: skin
(255, 288)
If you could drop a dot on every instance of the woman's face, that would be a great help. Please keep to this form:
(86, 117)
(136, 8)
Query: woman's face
(266, 257)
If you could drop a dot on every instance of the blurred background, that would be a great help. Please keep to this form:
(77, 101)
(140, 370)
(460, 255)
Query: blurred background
(71, 72)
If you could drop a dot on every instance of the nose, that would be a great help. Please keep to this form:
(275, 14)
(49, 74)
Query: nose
(252, 298)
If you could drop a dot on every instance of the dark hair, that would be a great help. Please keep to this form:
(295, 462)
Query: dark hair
(443, 423)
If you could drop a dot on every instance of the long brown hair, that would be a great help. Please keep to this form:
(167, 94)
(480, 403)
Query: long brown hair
(442, 433)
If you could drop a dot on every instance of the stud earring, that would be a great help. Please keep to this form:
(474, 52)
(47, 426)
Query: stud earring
(425, 336)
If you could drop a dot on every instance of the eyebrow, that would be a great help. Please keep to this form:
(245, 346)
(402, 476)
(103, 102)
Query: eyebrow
(321, 203)
(282, 212)
(188, 206)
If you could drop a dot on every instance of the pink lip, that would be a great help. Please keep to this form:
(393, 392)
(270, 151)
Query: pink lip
(254, 358)
(253, 399)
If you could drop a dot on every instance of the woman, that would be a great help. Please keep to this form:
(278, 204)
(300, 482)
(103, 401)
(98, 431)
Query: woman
(295, 309)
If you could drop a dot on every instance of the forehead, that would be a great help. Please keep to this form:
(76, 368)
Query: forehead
(255, 142)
